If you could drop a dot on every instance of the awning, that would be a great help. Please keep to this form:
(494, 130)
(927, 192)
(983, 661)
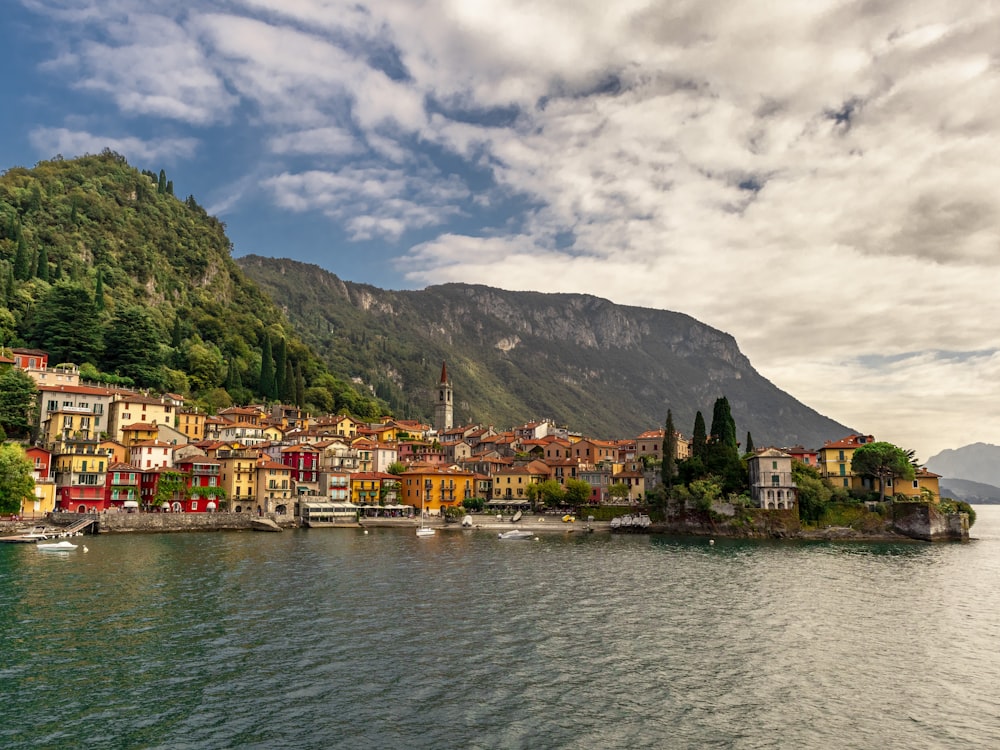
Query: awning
(130, 504)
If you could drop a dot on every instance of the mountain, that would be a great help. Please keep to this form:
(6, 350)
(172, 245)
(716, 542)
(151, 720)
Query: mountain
(606, 370)
(974, 493)
(979, 462)
(103, 267)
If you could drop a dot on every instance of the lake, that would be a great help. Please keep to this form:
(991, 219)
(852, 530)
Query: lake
(333, 638)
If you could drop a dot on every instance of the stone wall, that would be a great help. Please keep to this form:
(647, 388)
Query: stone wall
(924, 521)
(163, 522)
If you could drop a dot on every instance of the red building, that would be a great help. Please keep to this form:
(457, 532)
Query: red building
(303, 460)
(201, 483)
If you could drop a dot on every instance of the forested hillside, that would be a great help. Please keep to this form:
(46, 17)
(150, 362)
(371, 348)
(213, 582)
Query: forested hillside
(103, 267)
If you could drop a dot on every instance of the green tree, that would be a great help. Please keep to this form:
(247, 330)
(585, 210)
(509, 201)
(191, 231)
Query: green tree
(206, 366)
(578, 492)
(22, 259)
(66, 324)
(619, 491)
(16, 481)
(42, 268)
(99, 290)
(280, 371)
(18, 401)
(396, 468)
(668, 468)
(548, 493)
(749, 446)
(161, 185)
(132, 346)
(883, 462)
(266, 385)
(699, 438)
(813, 492)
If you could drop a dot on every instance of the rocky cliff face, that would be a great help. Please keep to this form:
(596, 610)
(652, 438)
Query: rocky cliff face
(606, 370)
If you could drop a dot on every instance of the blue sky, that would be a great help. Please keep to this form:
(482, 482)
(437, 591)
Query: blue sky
(817, 179)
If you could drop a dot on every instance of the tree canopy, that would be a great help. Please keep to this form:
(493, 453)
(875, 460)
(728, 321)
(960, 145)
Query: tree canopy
(16, 481)
(883, 461)
(18, 401)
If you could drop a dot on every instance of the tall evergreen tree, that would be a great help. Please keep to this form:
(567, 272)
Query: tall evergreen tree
(161, 186)
(132, 346)
(22, 259)
(749, 447)
(170, 187)
(280, 363)
(669, 465)
(266, 384)
(66, 325)
(699, 439)
(42, 269)
(99, 290)
(723, 426)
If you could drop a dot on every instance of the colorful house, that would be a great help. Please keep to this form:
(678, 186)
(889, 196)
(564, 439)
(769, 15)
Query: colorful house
(771, 484)
(374, 488)
(434, 488)
(203, 484)
(123, 485)
(834, 460)
(45, 487)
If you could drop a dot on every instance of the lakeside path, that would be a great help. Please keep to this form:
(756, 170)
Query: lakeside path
(483, 522)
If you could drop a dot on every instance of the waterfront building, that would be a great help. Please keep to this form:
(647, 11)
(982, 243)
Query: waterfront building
(274, 487)
(44, 500)
(202, 481)
(435, 488)
(303, 460)
(122, 487)
(771, 484)
(238, 467)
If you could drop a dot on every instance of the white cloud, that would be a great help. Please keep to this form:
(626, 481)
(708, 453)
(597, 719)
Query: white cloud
(370, 202)
(814, 178)
(67, 142)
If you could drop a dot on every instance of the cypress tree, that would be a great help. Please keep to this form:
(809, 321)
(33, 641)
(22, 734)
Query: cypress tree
(176, 335)
(99, 290)
(280, 369)
(266, 384)
(170, 187)
(161, 186)
(669, 465)
(723, 426)
(42, 268)
(699, 440)
(750, 447)
(22, 263)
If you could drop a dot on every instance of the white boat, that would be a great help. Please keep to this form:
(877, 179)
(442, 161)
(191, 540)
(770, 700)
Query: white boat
(423, 530)
(55, 546)
(516, 534)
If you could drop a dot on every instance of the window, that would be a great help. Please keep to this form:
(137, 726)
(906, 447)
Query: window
(774, 465)
(841, 456)
(194, 505)
(843, 471)
(916, 484)
(775, 479)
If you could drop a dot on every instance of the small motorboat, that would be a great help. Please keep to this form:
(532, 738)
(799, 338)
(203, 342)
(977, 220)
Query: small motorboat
(516, 534)
(55, 546)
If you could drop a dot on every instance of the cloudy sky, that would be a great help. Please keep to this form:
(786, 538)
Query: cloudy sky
(819, 179)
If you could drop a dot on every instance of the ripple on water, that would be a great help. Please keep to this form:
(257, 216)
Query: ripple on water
(309, 639)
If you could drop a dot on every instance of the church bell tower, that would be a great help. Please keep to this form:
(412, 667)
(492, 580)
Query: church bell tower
(443, 405)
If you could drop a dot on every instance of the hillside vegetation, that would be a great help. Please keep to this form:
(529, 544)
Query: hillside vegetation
(103, 267)
(604, 369)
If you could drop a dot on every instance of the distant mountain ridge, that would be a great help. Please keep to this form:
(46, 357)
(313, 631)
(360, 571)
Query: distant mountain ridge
(970, 473)
(607, 370)
(978, 462)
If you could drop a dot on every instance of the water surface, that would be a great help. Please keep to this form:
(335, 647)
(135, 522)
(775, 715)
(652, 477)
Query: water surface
(336, 638)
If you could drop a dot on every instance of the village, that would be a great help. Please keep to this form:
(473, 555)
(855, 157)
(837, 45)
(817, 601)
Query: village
(114, 450)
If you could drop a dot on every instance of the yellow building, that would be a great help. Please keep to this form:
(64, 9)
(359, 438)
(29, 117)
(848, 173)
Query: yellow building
(130, 408)
(834, 460)
(192, 423)
(274, 487)
(68, 423)
(139, 432)
(238, 476)
(434, 488)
